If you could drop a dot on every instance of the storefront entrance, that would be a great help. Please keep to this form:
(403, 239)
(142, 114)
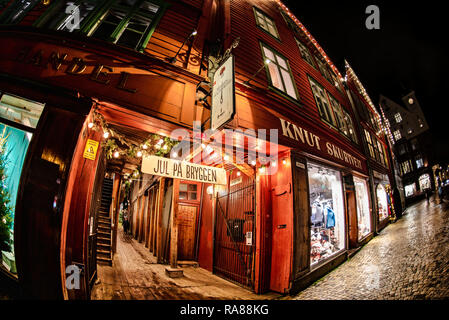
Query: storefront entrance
(235, 231)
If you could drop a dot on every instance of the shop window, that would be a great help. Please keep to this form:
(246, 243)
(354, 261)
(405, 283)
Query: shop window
(322, 102)
(18, 119)
(129, 23)
(58, 18)
(363, 213)
(424, 182)
(327, 213)
(17, 11)
(410, 190)
(279, 72)
(188, 191)
(305, 53)
(266, 23)
(382, 202)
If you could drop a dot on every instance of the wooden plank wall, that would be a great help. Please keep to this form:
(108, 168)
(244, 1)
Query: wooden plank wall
(248, 55)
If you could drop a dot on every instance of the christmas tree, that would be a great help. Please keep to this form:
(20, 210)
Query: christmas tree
(5, 208)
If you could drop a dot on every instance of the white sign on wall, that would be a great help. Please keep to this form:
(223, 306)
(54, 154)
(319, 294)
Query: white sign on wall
(223, 95)
(176, 169)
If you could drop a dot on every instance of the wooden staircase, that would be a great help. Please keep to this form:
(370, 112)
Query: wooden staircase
(104, 229)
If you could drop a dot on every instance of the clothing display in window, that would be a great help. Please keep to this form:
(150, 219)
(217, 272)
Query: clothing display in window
(363, 212)
(327, 213)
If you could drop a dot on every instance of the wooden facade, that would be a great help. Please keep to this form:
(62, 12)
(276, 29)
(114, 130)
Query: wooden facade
(148, 91)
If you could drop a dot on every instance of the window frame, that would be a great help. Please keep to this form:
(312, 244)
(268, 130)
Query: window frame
(289, 70)
(302, 46)
(7, 14)
(266, 16)
(330, 108)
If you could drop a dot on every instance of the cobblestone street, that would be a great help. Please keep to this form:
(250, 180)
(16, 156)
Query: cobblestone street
(408, 260)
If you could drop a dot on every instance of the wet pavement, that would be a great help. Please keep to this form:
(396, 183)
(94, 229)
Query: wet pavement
(408, 260)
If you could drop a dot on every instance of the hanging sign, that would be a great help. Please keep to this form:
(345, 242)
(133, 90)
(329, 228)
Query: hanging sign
(176, 169)
(90, 151)
(223, 95)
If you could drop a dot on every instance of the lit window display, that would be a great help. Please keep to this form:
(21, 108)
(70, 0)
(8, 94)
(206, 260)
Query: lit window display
(424, 182)
(410, 190)
(363, 214)
(327, 220)
(382, 202)
(14, 144)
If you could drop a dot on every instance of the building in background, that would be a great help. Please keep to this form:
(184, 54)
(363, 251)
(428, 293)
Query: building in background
(411, 144)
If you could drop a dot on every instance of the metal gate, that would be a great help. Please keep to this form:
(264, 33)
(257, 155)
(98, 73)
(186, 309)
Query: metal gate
(235, 235)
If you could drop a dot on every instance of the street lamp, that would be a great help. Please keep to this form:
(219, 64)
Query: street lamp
(194, 33)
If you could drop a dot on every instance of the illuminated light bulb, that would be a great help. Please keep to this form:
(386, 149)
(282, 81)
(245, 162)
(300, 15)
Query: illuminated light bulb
(144, 147)
(160, 141)
(203, 146)
(253, 162)
(284, 161)
(262, 169)
(165, 147)
(175, 155)
(238, 173)
(116, 154)
(139, 153)
(90, 125)
(267, 61)
(106, 135)
(226, 157)
(194, 33)
(274, 163)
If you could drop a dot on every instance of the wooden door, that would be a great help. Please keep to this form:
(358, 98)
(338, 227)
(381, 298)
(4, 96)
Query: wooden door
(187, 224)
(352, 218)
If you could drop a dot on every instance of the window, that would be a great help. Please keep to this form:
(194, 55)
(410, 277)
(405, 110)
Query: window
(398, 117)
(402, 149)
(322, 102)
(339, 116)
(414, 144)
(419, 162)
(17, 11)
(59, 19)
(424, 182)
(370, 144)
(128, 23)
(410, 190)
(188, 191)
(305, 53)
(406, 167)
(279, 72)
(266, 23)
(397, 135)
(350, 125)
(324, 70)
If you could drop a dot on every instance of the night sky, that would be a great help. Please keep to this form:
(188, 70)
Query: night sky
(409, 52)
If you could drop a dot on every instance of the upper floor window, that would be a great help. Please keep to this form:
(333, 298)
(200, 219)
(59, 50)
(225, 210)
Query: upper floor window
(339, 116)
(350, 125)
(397, 135)
(398, 117)
(188, 191)
(17, 11)
(414, 144)
(279, 72)
(324, 70)
(127, 23)
(266, 23)
(305, 53)
(419, 162)
(322, 102)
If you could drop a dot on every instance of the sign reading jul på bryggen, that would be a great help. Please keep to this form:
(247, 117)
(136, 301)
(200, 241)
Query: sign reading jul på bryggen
(176, 169)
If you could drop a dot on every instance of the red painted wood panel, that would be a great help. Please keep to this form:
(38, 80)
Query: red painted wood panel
(206, 225)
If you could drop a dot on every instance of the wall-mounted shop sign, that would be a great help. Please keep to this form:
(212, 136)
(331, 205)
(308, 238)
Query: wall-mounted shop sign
(223, 95)
(176, 169)
(90, 151)
(316, 142)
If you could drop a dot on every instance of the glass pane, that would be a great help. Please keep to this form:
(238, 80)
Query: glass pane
(281, 62)
(192, 195)
(363, 213)
(148, 7)
(109, 24)
(275, 76)
(289, 86)
(271, 28)
(192, 187)
(327, 213)
(126, 3)
(182, 187)
(268, 54)
(183, 195)
(23, 111)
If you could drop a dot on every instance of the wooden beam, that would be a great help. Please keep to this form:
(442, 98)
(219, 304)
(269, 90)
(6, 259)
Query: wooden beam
(158, 210)
(174, 225)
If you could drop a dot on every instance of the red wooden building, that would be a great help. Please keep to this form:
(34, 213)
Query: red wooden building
(131, 70)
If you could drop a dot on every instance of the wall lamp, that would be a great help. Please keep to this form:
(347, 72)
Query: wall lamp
(266, 63)
(194, 33)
